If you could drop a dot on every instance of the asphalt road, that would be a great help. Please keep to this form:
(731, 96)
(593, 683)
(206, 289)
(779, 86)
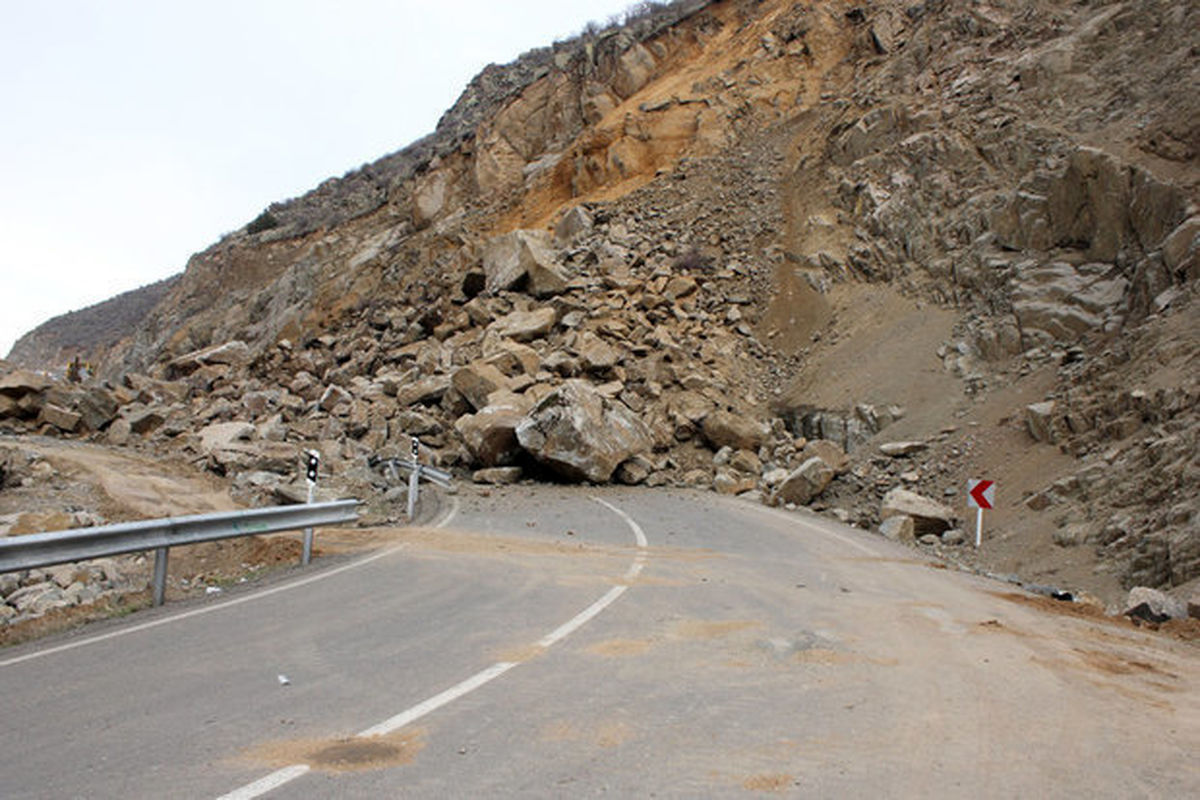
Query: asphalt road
(531, 646)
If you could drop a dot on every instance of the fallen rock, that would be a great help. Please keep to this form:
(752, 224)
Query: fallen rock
(1039, 420)
(524, 326)
(729, 481)
(233, 353)
(576, 221)
(424, 391)
(21, 382)
(828, 451)
(582, 435)
(901, 449)
(222, 435)
(523, 258)
(928, 516)
(1152, 605)
(805, 482)
(478, 380)
(96, 407)
(491, 434)
(497, 476)
(595, 354)
(63, 419)
(634, 471)
(953, 536)
(332, 397)
(145, 421)
(899, 528)
(741, 432)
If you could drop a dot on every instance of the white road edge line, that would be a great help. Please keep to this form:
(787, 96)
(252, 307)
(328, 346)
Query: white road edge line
(237, 601)
(264, 785)
(479, 679)
(796, 519)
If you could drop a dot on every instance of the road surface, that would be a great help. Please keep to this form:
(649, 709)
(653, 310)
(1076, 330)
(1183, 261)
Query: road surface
(564, 642)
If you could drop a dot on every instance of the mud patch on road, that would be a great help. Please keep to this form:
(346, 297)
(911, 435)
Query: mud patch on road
(778, 782)
(619, 648)
(1119, 664)
(1184, 630)
(519, 655)
(464, 543)
(351, 754)
(606, 734)
(707, 630)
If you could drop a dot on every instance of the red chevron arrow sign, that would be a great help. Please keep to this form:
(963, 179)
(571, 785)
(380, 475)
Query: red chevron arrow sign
(981, 494)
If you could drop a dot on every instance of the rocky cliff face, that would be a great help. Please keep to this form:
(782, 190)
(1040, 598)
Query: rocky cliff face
(688, 230)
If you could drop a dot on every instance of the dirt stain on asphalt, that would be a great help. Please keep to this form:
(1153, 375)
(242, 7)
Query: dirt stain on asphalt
(616, 648)
(704, 630)
(1114, 664)
(778, 782)
(605, 734)
(519, 655)
(1184, 630)
(351, 754)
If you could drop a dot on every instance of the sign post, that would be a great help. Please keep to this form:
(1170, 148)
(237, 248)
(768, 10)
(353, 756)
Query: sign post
(981, 494)
(311, 468)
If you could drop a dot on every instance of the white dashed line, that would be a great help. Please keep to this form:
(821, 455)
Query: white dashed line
(479, 679)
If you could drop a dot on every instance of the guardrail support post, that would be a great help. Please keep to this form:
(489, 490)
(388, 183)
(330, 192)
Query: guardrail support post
(414, 486)
(160, 575)
(306, 555)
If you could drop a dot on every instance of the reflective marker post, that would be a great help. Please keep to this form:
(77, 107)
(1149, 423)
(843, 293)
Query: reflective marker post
(414, 479)
(314, 463)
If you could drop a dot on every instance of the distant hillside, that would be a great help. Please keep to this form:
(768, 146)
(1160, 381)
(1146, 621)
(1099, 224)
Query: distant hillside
(88, 332)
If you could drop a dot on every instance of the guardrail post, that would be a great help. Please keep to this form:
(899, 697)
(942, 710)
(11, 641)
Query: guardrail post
(306, 555)
(414, 486)
(160, 575)
(414, 478)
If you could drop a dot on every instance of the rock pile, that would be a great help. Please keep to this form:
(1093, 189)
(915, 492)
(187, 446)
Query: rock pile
(485, 292)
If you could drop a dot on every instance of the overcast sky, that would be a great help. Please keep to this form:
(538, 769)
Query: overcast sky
(137, 132)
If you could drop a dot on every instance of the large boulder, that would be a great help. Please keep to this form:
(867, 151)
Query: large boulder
(524, 325)
(805, 482)
(1039, 420)
(576, 221)
(21, 382)
(232, 353)
(581, 434)
(928, 516)
(1152, 605)
(828, 451)
(523, 258)
(222, 435)
(96, 407)
(478, 380)
(62, 418)
(739, 431)
(491, 434)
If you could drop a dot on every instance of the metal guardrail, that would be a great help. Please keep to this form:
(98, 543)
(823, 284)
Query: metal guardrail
(61, 547)
(416, 472)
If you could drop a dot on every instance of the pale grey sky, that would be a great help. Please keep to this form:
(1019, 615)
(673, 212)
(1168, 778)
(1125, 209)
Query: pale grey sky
(137, 132)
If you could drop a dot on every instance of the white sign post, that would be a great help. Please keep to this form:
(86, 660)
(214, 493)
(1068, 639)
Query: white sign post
(981, 494)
